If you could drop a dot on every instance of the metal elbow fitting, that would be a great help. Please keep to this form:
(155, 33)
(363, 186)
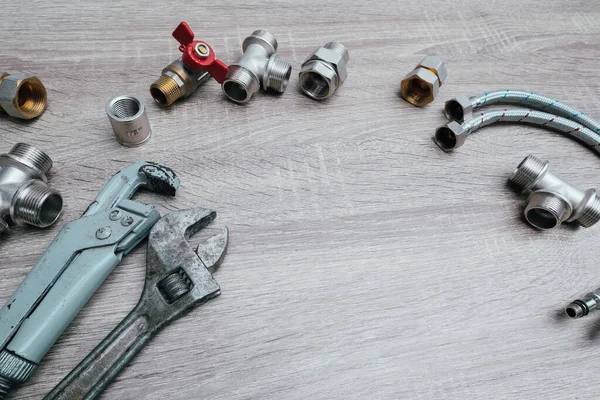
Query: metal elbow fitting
(259, 68)
(324, 71)
(176, 82)
(22, 95)
(553, 201)
(422, 84)
(25, 198)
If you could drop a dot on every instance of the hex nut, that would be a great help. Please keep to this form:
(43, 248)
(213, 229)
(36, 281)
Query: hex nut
(421, 85)
(459, 109)
(451, 136)
(436, 65)
(334, 58)
(318, 79)
(22, 95)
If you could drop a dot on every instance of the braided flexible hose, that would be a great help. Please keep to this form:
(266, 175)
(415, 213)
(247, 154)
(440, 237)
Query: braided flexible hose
(453, 135)
(519, 98)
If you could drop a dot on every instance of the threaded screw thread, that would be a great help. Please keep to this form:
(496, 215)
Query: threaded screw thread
(36, 204)
(31, 157)
(240, 84)
(340, 49)
(165, 90)
(6, 387)
(278, 74)
(266, 36)
(546, 210)
(591, 213)
(528, 172)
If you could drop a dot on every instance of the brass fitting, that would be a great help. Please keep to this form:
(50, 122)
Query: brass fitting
(421, 85)
(176, 81)
(22, 95)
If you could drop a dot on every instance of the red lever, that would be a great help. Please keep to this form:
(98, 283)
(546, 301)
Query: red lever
(198, 55)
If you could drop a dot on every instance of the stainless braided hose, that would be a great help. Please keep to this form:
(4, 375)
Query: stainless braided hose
(453, 135)
(462, 107)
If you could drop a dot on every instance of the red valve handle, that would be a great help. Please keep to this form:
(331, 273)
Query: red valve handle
(198, 55)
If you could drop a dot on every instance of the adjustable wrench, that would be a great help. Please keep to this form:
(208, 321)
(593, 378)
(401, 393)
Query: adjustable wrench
(177, 280)
(82, 255)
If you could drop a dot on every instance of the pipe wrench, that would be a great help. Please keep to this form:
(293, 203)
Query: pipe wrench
(81, 256)
(177, 279)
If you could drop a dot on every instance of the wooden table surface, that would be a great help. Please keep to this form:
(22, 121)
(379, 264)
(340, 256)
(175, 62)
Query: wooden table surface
(364, 262)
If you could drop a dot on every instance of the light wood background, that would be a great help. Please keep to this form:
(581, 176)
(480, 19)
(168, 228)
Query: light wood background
(364, 262)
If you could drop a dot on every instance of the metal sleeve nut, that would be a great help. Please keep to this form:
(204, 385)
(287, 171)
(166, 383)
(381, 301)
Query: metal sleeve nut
(22, 95)
(421, 85)
(324, 71)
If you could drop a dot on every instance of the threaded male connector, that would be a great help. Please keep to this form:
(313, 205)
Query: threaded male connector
(176, 82)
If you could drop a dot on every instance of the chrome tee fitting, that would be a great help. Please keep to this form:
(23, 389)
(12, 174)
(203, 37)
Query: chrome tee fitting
(553, 201)
(22, 95)
(176, 82)
(324, 71)
(259, 68)
(25, 198)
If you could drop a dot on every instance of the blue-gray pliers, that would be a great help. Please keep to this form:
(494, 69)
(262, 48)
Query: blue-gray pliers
(73, 267)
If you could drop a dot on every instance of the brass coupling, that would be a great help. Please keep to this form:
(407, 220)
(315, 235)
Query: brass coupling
(176, 82)
(422, 84)
(22, 95)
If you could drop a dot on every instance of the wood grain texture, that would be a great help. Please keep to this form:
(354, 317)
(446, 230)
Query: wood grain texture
(364, 262)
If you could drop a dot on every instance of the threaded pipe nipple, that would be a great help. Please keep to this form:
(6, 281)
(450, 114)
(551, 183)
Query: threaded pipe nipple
(546, 210)
(340, 49)
(265, 36)
(32, 157)
(165, 90)
(529, 171)
(240, 84)
(5, 387)
(277, 74)
(37, 205)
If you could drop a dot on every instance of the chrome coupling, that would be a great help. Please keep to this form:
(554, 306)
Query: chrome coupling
(259, 68)
(22, 95)
(177, 81)
(25, 197)
(553, 201)
(324, 71)
(128, 118)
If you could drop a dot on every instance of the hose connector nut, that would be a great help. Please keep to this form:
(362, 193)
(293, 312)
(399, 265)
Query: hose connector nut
(259, 68)
(459, 109)
(22, 95)
(324, 71)
(553, 201)
(451, 136)
(128, 118)
(422, 84)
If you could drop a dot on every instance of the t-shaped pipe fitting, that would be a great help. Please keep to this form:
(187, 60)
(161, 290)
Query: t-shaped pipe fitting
(553, 201)
(25, 198)
(259, 67)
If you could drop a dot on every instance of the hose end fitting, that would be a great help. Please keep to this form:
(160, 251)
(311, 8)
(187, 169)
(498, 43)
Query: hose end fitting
(582, 307)
(22, 95)
(451, 136)
(324, 71)
(553, 201)
(459, 109)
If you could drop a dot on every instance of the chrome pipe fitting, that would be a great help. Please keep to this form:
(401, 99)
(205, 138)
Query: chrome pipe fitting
(259, 68)
(582, 307)
(176, 82)
(324, 71)
(553, 201)
(22, 95)
(127, 115)
(25, 198)
(421, 86)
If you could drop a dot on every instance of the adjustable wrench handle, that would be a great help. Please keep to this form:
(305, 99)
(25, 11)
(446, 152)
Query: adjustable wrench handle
(91, 377)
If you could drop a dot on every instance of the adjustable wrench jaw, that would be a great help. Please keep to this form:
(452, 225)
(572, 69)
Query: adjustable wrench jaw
(178, 277)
